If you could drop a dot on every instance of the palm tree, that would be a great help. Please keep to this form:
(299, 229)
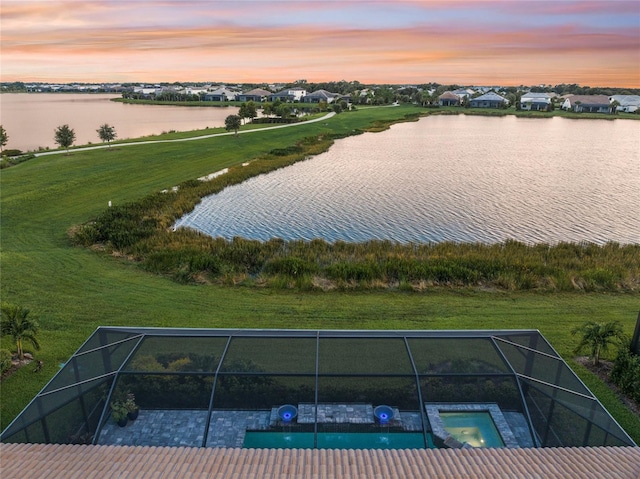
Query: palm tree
(614, 106)
(598, 336)
(577, 106)
(16, 324)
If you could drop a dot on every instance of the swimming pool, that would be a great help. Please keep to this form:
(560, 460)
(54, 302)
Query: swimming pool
(475, 428)
(336, 440)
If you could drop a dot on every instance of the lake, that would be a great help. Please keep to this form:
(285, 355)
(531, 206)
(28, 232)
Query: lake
(30, 119)
(448, 178)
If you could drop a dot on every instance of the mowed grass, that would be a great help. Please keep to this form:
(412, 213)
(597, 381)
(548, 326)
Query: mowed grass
(72, 290)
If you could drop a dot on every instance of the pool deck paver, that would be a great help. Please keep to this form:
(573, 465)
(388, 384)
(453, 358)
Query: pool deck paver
(158, 428)
(228, 428)
(185, 427)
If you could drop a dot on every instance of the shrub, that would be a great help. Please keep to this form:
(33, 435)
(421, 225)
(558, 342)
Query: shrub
(601, 279)
(85, 235)
(353, 271)
(293, 267)
(160, 261)
(199, 261)
(12, 152)
(626, 373)
(290, 150)
(5, 360)
(8, 161)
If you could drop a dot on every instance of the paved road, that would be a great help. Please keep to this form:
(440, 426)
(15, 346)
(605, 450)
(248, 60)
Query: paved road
(203, 137)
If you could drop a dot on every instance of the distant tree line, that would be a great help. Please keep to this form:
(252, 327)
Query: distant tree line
(575, 89)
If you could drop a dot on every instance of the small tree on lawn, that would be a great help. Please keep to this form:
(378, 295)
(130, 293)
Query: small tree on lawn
(3, 137)
(16, 323)
(267, 109)
(232, 123)
(248, 110)
(283, 111)
(597, 337)
(252, 111)
(65, 136)
(242, 111)
(107, 133)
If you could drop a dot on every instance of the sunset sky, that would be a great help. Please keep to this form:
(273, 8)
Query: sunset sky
(506, 42)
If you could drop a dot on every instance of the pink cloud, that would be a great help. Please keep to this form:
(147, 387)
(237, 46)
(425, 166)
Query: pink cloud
(573, 7)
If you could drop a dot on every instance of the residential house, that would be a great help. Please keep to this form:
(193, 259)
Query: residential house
(220, 94)
(147, 92)
(484, 89)
(257, 95)
(289, 95)
(489, 100)
(195, 90)
(587, 104)
(320, 96)
(627, 103)
(365, 95)
(463, 93)
(535, 101)
(449, 99)
(172, 89)
(340, 98)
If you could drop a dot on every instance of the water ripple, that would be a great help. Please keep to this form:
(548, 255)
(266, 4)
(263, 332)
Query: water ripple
(449, 178)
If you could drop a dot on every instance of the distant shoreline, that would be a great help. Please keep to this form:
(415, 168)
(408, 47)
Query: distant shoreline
(427, 110)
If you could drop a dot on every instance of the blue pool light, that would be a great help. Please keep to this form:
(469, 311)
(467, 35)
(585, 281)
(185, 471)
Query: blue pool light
(383, 414)
(288, 412)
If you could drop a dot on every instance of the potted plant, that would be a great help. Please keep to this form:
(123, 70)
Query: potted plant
(119, 413)
(132, 407)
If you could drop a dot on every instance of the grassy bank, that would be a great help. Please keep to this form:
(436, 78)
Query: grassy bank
(72, 290)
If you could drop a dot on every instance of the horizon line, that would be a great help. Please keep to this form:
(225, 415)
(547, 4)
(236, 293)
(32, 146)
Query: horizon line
(266, 82)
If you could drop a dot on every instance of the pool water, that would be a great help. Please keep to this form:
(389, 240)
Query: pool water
(335, 440)
(475, 428)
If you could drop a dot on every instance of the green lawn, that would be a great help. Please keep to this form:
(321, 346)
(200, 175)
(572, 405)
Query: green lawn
(71, 291)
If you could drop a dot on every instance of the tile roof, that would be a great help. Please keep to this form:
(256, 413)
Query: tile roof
(447, 95)
(322, 94)
(590, 99)
(532, 94)
(257, 92)
(626, 100)
(489, 96)
(48, 461)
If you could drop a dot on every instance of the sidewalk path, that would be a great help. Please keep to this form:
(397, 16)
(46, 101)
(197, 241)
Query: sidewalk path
(203, 137)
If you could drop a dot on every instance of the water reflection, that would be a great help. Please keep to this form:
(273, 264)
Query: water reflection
(31, 119)
(458, 178)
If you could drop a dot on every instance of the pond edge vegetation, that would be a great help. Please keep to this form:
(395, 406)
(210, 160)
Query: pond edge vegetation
(142, 231)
